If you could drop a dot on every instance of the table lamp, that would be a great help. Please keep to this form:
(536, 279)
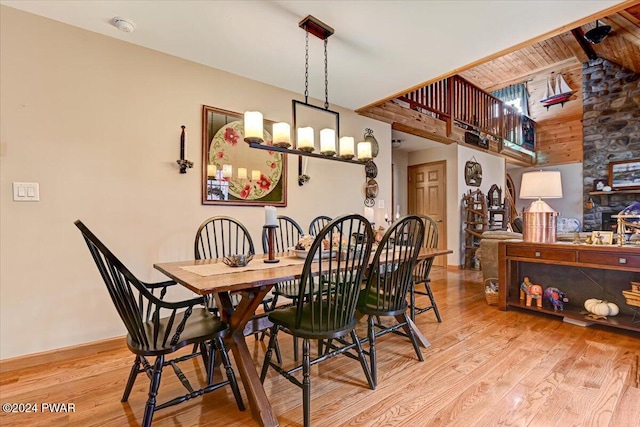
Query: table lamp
(540, 218)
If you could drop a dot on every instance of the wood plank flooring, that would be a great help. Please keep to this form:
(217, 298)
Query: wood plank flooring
(485, 367)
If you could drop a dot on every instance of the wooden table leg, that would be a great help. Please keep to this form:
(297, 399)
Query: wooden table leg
(258, 402)
(411, 327)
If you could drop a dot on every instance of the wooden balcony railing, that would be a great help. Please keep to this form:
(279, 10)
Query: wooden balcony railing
(457, 100)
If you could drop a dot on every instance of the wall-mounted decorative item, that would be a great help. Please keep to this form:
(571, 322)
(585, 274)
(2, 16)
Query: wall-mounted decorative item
(232, 172)
(599, 184)
(624, 174)
(182, 162)
(371, 185)
(473, 173)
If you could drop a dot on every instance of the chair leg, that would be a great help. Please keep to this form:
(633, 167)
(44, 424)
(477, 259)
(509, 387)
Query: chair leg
(135, 368)
(295, 349)
(363, 360)
(218, 344)
(413, 301)
(276, 348)
(372, 351)
(204, 353)
(211, 361)
(433, 301)
(413, 339)
(306, 382)
(267, 357)
(153, 392)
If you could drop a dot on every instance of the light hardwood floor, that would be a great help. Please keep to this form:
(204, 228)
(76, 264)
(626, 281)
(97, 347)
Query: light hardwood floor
(485, 367)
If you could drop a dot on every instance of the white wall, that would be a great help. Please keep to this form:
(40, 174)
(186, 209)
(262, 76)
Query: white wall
(400, 161)
(570, 205)
(96, 121)
(456, 156)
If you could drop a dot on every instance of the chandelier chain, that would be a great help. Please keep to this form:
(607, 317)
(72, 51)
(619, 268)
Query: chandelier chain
(306, 68)
(326, 76)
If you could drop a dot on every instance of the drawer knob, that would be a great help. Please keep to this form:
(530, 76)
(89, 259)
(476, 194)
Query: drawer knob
(537, 254)
(622, 260)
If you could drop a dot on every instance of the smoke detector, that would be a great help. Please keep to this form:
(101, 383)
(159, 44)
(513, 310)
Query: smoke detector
(395, 143)
(123, 25)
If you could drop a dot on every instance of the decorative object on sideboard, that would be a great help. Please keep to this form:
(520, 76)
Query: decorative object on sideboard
(554, 298)
(539, 217)
(182, 162)
(628, 220)
(306, 116)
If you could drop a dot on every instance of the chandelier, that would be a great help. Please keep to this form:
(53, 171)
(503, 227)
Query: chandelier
(330, 147)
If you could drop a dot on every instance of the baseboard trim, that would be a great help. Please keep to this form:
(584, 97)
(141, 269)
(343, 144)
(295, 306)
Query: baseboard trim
(60, 354)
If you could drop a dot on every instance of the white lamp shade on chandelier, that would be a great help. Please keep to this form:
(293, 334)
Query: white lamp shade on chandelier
(328, 141)
(282, 134)
(364, 151)
(253, 126)
(305, 138)
(347, 147)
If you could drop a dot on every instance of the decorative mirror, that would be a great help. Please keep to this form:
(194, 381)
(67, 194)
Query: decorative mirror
(473, 173)
(234, 173)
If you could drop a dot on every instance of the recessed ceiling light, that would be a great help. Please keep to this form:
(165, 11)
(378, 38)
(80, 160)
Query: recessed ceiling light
(123, 24)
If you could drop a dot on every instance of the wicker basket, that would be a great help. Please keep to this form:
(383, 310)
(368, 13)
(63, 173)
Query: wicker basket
(491, 297)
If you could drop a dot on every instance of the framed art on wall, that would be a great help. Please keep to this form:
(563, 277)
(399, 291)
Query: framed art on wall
(624, 174)
(234, 173)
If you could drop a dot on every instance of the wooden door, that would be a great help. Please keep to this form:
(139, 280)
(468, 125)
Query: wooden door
(426, 191)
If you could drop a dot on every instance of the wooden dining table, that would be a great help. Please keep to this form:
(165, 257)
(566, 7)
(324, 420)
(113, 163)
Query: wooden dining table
(253, 282)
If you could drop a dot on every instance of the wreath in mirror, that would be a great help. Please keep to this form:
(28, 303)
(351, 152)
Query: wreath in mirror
(473, 173)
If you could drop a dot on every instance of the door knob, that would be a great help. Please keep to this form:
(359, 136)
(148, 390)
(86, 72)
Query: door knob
(438, 220)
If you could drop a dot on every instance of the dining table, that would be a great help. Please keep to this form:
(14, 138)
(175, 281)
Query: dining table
(253, 282)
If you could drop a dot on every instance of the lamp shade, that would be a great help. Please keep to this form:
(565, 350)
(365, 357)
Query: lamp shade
(541, 185)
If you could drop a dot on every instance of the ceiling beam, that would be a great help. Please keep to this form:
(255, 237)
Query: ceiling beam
(584, 44)
(626, 25)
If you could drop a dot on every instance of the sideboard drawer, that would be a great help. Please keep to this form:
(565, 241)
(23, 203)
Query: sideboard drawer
(610, 259)
(542, 253)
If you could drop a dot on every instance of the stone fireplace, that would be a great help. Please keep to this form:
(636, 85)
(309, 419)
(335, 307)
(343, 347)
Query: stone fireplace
(611, 130)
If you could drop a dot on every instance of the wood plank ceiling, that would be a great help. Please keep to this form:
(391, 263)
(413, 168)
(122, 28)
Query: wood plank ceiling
(622, 46)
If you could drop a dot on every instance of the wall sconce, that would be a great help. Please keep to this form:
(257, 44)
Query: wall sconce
(182, 162)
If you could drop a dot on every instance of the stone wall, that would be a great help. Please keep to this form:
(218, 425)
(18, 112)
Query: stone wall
(611, 128)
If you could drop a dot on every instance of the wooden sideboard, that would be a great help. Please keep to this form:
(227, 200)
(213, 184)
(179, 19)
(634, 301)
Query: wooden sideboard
(581, 271)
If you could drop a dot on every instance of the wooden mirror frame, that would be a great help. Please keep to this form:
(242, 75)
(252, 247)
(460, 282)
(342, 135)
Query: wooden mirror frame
(247, 191)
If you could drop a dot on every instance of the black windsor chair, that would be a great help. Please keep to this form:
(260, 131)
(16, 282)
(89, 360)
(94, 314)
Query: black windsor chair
(286, 236)
(327, 312)
(218, 237)
(423, 270)
(389, 281)
(318, 224)
(158, 328)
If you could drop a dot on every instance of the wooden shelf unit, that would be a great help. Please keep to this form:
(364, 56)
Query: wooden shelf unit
(604, 195)
(475, 205)
(581, 271)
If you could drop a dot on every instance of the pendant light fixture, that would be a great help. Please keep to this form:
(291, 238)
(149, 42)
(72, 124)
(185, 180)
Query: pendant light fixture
(331, 144)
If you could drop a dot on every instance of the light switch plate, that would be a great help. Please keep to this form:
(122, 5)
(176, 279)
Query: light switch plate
(26, 192)
(380, 204)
